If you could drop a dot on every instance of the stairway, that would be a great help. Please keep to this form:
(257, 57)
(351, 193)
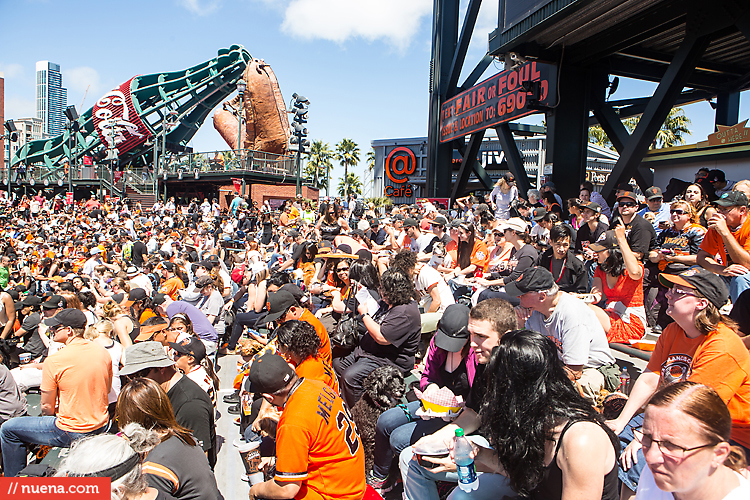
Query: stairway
(146, 200)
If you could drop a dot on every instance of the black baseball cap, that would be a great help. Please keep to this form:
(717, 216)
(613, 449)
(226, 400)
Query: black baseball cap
(595, 207)
(732, 199)
(374, 222)
(440, 221)
(31, 301)
(710, 285)
(192, 346)
(623, 186)
(410, 222)
(135, 295)
(453, 328)
(607, 241)
(278, 304)
(204, 281)
(532, 279)
(55, 302)
(67, 317)
(269, 373)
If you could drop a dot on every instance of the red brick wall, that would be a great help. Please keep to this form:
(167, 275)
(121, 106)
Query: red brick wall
(262, 192)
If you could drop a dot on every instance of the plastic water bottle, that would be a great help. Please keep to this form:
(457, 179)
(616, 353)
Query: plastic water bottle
(467, 474)
(624, 381)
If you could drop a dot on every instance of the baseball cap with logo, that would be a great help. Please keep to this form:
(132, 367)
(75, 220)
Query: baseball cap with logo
(532, 279)
(439, 221)
(55, 302)
(410, 222)
(453, 328)
(73, 318)
(652, 193)
(732, 199)
(135, 295)
(278, 304)
(192, 346)
(710, 285)
(539, 213)
(268, 374)
(628, 194)
(594, 207)
(204, 281)
(607, 241)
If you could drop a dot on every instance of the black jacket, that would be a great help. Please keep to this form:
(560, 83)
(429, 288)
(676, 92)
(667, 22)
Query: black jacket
(574, 278)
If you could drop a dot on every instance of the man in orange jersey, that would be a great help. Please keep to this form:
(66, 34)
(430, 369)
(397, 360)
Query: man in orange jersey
(172, 283)
(322, 455)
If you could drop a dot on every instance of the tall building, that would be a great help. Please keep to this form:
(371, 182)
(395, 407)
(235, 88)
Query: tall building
(51, 98)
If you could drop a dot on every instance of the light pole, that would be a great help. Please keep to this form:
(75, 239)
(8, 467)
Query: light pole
(11, 136)
(72, 116)
(241, 86)
(169, 122)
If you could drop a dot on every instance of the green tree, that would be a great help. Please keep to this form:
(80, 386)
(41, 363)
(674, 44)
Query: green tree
(353, 185)
(347, 154)
(319, 165)
(371, 168)
(672, 132)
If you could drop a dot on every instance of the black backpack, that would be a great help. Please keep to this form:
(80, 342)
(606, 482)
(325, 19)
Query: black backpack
(359, 209)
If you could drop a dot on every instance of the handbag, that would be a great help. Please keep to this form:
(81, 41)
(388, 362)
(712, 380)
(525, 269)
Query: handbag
(346, 334)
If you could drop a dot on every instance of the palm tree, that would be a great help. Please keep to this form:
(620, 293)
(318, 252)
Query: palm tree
(370, 169)
(319, 164)
(672, 132)
(353, 185)
(347, 153)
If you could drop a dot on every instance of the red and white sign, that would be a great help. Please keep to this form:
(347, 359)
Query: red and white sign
(117, 122)
(69, 198)
(237, 184)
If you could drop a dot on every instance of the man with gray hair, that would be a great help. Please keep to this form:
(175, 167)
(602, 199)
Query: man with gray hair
(572, 325)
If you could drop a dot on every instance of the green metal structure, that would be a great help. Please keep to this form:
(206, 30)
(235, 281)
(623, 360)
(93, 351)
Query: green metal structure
(192, 93)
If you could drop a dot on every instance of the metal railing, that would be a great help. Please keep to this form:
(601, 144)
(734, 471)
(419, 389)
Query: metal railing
(229, 161)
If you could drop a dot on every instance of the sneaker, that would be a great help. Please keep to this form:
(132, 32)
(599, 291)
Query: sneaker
(233, 398)
(380, 485)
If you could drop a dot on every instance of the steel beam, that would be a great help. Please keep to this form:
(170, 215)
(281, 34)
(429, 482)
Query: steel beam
(444, 39)
(636, 106)
(513, 157)
(470, 20)
(656, 112)
(468, 160)
(727, 109)
(476, 73)
(567, 141)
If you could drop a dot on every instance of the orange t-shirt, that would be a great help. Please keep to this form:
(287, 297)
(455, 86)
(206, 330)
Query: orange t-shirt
(452, 249)
(480, 256)
(81, 388)
(313, 368)
(718, 360)
(324, 352)
(322, 448)
(713, 244)
(171, 287)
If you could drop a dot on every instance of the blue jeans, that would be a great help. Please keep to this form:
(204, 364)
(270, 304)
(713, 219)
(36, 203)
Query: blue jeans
(398, 428)
(16, 433)
(420, 483)
(631, 476)
(737, 285)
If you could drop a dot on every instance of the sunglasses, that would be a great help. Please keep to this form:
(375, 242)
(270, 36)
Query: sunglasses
(677, 211)
(628, 204)
(340, 269)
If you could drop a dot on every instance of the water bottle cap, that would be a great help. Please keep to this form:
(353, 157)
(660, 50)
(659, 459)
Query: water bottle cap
(459, 432)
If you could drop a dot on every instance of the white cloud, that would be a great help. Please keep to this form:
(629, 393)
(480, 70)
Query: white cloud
(17, 107)
(200, 7)
(11, 70)
(77, 80)
(395, 21)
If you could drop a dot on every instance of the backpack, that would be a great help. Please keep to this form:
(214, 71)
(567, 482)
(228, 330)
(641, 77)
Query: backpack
(359, 209)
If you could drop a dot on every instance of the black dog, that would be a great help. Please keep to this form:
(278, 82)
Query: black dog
(384, 388)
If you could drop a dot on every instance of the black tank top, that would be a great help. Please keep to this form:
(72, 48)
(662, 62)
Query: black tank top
(552, 483)
(329, 231)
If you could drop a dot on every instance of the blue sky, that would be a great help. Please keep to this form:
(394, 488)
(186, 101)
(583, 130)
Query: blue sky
(363, 64)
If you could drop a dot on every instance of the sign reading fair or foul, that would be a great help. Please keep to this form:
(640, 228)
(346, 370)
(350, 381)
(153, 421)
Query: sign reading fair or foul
(506, 96)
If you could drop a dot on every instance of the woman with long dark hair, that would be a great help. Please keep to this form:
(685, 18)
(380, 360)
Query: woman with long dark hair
(696, 195)
(618, 279)
(472, 259)
(176, 465)
(548, 441)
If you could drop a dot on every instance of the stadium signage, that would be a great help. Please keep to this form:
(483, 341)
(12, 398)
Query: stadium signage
(508, 95)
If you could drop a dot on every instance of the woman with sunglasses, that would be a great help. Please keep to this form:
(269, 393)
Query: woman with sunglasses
(676, 250)
(701, 346)
(685, 440)
(472, 259)
(696, 195)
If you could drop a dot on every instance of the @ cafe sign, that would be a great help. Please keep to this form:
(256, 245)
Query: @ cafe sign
(399, 165)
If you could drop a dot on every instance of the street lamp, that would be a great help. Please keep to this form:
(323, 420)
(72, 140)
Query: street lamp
(168, 124)
(72, 115)
(241, 86)
(12, 136)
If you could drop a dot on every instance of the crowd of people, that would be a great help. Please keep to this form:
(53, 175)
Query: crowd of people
(504, 307)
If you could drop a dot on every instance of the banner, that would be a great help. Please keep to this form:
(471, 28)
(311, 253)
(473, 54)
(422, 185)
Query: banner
(69, 198)
(499, 99)
(117, 122)
(237, 184)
